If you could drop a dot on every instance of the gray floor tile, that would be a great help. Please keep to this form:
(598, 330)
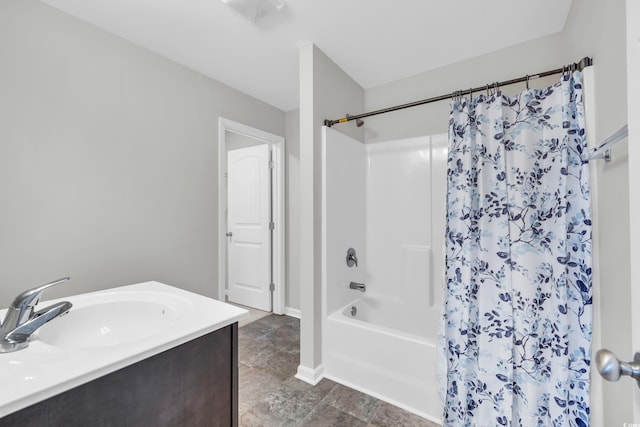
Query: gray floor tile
(319, 390)
(278, 321)
(286, 337)
(256, 329)
(254, 351)
(285, 405)
(281, 364)
(254, 313)
(391, 416)
(254, 385)
(325, 415)
(353, 402)
(270, 395)
(250, 420)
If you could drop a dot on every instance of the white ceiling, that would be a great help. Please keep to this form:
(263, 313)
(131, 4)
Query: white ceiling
(374, 41)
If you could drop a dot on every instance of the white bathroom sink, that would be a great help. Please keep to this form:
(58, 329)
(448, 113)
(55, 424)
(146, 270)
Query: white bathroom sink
(105, 331)
(100, 324)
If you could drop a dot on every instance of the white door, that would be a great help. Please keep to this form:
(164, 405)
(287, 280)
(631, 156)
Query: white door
(248, 233)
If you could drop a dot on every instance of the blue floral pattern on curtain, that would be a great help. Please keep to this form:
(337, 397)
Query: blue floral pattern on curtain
(516, 331)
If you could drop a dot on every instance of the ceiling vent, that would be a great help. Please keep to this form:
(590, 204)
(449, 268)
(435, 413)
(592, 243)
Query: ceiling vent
(255, 10)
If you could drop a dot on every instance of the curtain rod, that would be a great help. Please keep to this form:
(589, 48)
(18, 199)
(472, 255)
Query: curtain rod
(583, 63)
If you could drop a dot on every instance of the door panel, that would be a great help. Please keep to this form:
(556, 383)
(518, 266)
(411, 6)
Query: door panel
(249, 243)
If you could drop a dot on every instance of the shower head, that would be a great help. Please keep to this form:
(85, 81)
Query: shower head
(359, 122)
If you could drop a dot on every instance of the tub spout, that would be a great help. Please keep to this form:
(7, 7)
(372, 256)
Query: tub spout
(357, 286)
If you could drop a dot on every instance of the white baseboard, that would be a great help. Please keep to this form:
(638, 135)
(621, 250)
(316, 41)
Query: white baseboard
(292, 312)
(309, 375)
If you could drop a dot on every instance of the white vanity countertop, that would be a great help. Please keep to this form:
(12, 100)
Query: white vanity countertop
(54, 363)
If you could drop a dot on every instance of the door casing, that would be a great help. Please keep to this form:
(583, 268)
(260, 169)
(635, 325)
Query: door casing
(277, 144)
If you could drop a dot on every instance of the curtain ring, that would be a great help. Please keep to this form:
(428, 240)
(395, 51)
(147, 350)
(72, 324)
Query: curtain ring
(470, 94)
(496, 87)
(487, 90)
(527, 81)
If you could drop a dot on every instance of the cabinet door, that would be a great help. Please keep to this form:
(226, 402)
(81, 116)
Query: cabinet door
(192, 385)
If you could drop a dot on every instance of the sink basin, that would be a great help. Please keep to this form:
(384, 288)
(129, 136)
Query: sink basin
(108, 323)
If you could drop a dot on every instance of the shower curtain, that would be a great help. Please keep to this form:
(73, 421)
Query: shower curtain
(515, 339)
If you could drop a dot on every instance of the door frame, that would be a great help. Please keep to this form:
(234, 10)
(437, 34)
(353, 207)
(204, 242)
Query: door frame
(633, 110)
(277, 144)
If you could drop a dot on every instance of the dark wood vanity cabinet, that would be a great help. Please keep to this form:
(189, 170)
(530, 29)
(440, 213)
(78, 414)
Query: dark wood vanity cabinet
(192, 385)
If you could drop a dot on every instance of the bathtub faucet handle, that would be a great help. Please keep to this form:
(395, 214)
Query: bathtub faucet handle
(352, 259)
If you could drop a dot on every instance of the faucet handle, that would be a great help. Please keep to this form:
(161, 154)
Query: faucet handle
(30, 297)
(352, 259)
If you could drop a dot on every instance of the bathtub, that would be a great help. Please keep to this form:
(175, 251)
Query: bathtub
(375, 351)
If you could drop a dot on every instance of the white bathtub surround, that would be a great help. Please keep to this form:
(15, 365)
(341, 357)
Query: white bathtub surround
(343, 217)
(104, 332)
(387, 201)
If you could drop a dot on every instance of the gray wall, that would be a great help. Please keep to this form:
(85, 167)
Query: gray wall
(594, 28)
(326, 92)
(108, 158)
(236, 141)
(534, 56)
(292, 255)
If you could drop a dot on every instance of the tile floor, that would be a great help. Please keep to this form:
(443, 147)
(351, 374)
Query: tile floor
(270, 395)
(254, 314)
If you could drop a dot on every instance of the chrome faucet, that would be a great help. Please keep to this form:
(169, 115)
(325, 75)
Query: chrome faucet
(357, 286)
(21, 320)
